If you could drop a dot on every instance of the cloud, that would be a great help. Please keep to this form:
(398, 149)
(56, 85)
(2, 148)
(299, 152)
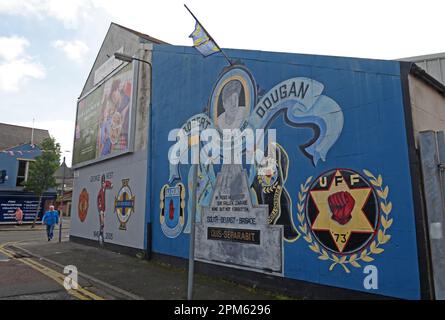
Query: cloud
(14, 73)
(67, 11)
(74, 50)
(12, 47)
(15, 66)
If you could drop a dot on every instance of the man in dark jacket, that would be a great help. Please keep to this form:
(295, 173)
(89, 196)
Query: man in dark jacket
(50, 219)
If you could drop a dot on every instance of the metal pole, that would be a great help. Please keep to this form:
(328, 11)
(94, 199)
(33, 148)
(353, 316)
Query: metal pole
(61, 203)
(192, 236)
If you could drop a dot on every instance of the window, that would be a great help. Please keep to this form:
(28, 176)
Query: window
(22, 174)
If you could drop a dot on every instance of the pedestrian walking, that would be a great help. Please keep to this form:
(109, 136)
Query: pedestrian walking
(50, 219)
(19, 216)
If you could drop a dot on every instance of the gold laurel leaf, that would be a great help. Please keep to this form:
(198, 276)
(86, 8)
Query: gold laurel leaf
(387, 208)
(343, 260)
(336, 259)
(333, 266)
(323, 258)
(346, 268)
(308, 238)
(300, 207)
(390, 222)
(364, 254)
(367, 259)
(301, 197)
(386, 192)
(376, 250)
(353, 258)
(383, 194)
(384, 221)
(301, 218)
(355, 264)
(308, 181)
(369, 174)
(381, 236)
(385, 239)
(315, 248)
(376, 183)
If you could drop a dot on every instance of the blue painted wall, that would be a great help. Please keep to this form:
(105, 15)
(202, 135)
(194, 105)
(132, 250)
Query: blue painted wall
(372, 138)
(10, 163)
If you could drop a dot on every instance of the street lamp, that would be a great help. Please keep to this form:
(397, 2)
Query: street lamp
(191, 271)
(61, 203)
(126, 58)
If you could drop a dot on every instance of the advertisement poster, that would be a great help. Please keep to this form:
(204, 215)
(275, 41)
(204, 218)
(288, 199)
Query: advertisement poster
(9, 204)
(103, 119)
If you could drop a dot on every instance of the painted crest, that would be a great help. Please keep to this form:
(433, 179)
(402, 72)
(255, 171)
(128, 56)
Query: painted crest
(172, 210)
(345, 217)
(124, 204)
(84, 204)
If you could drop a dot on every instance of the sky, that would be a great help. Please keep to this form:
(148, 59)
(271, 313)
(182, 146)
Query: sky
(47, 47)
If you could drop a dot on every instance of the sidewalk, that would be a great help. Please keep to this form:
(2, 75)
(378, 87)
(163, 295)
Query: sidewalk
(27, 227)
(149, 280)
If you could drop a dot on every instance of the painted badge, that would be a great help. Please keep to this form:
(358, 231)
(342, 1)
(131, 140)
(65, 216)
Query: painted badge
(124, 204)
(84, 204)
(172, 210)
(345, 217)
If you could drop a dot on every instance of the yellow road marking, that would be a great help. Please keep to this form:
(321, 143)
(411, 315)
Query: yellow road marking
(79, 293)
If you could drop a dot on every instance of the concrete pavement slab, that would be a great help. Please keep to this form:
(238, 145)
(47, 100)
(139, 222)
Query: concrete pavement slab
(151, 280)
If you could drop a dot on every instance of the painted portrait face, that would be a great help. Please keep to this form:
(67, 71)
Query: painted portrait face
(231, 96)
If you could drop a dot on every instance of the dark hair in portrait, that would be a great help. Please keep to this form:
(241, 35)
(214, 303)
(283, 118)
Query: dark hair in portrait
(234, 86)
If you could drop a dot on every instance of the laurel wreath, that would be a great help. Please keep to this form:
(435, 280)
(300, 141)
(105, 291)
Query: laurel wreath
(366, 255)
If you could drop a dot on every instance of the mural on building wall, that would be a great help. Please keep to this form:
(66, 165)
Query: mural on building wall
(341, 147)
(124, 204)
(83, 205)
(233, 218)
(234, 105)
(110, 204)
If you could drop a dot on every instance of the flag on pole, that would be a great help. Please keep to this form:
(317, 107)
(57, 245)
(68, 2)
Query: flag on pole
(202, 41)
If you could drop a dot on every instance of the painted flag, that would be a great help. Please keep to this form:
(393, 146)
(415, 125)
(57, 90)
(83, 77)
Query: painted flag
(202, 41)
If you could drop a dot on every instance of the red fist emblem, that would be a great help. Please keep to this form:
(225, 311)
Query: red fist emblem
(341, 204)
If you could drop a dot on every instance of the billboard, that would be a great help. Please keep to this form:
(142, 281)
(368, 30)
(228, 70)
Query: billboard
(103, 120)
(28, 204)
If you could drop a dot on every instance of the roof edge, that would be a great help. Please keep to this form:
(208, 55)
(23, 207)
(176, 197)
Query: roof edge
(140, 34)
(424, 76)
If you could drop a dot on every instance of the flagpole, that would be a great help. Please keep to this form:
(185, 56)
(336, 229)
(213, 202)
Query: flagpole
(211, 38)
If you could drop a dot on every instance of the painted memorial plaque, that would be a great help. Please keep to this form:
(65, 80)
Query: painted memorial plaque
(233, 231)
